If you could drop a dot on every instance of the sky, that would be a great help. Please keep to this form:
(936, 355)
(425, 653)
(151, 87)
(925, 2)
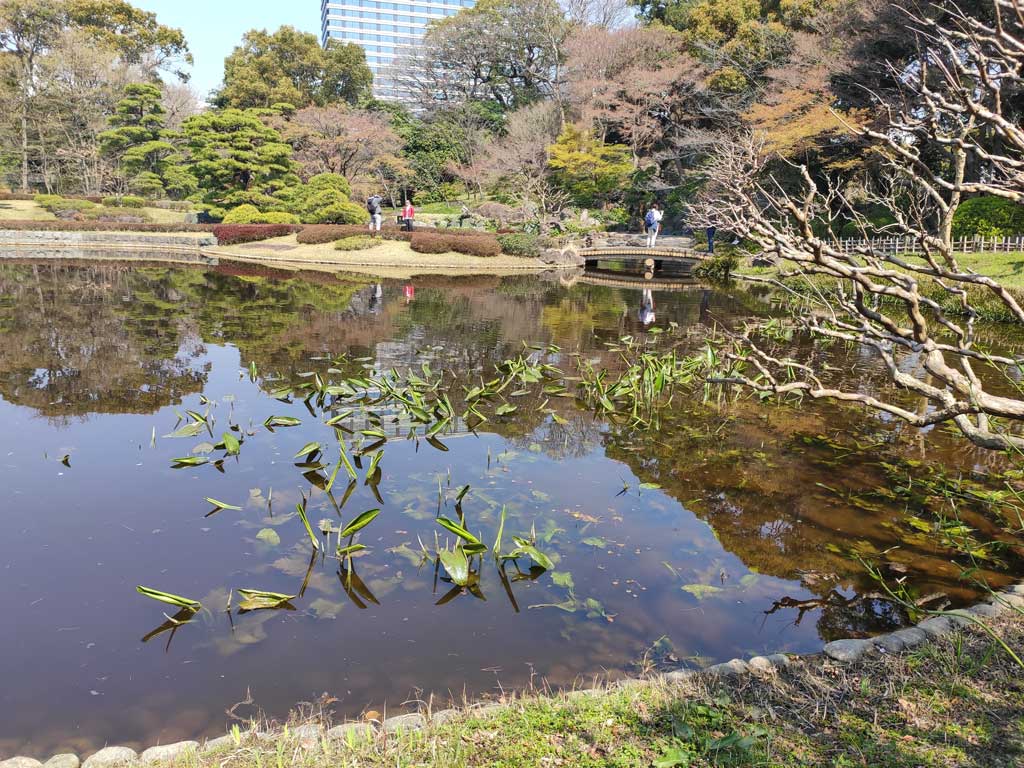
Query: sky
(214, 27)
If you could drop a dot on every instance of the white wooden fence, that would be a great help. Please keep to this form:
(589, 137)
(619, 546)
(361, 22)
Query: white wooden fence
(976, 244)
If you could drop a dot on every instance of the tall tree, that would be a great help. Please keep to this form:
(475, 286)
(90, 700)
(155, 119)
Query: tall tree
(237, 159)
(148, 161)
(291, 67)
(29, 30)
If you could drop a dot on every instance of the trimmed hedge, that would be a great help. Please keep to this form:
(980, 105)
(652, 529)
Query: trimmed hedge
(318, 234)
(232, 234)
(124, 201)
(521, 244)
(356, 243)
(471, 245)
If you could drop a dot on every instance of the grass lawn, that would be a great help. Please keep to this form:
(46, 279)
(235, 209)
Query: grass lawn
(27, 210)
(958, 703)
(392, 255)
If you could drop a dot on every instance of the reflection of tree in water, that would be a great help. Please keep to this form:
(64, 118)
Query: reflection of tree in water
(767, 496)
(113, 338)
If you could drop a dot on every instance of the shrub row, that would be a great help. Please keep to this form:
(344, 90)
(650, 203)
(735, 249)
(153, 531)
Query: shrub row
(232, 234)
(522, 244)
(124, 201)
(471, 245)
(356, 243)
(317, 234)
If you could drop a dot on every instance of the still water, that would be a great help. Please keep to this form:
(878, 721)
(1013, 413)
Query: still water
(720, 534)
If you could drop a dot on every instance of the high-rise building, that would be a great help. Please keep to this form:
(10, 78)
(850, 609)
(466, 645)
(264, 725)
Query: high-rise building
(385, 28)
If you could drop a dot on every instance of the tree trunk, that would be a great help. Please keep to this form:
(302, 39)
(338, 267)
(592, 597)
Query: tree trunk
(24, 148)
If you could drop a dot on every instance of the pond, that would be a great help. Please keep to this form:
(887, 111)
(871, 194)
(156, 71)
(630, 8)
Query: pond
(723, 531)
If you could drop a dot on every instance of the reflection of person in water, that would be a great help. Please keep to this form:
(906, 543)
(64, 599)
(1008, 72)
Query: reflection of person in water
(647, 307)
(376, 295)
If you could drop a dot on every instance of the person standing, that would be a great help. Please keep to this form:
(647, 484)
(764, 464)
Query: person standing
(408, 214)
(464, 215)
(374, 206)
(646, 314)
(652, 224)
(710, 231)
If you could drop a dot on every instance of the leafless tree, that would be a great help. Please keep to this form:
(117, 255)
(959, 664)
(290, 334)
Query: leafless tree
(608, 14)
(917, 313)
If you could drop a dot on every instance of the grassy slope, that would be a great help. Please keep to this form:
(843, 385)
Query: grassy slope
(390, 253)
(26, 210)
(956, 703)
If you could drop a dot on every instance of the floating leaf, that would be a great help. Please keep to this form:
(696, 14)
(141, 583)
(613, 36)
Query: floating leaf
(257, 599)
(231, 444)
(701, 591)
(307, 449)
(359, 523)
(457, 565)
(222, 504)
(507, 408)
(167, 597)
(595, 541)
(650, 486)
(563, 579)
(269, 536)
(458, 530)
(282, 421)
(189, 430)
(190, 461)
(536, 555)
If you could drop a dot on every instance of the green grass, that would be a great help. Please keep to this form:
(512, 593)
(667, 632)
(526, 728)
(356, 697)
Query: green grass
(27, 210)
(955, 703)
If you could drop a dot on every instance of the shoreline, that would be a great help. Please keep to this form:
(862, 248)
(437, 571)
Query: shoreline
(319, 737)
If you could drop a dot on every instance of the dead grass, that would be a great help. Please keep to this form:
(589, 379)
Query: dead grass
(390, 258)
(955, 704)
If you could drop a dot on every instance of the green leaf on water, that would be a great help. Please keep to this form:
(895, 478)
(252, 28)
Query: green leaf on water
(595, 541)
(537, 556)
(456, 564)
(359, 523)
(458, 530)
(563, 579)
(350, 549)
(504, 410)
(189, 461)
(222, 504)
(257, 599)
(231, 444)
(650, 486)
(282, 421)
(171, 599)
(301, 509)
(701, 591)
(307, 449)
(374, 463)
(269, 536)
(189, 430)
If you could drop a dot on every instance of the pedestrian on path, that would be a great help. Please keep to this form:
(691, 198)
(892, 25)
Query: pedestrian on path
(374, 205)
(652, 224)
(408, 214)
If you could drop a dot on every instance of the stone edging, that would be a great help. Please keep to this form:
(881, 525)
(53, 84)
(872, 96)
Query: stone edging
(309, 736)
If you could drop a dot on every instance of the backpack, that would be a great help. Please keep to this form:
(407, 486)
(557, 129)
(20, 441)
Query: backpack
(373, 205)
(649, 219)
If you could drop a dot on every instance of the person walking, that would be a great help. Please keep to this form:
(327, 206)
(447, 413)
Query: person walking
(408, 214)
(374, 205)
(652, 224)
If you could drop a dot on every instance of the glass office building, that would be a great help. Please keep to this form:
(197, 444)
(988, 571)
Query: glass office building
(384, 29)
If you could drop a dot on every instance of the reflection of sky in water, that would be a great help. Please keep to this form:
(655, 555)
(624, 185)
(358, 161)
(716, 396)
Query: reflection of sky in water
(740, 519)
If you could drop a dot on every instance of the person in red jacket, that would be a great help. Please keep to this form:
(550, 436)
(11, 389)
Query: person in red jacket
(408, 214)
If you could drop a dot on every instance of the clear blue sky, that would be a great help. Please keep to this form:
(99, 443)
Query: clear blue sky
(214, 27)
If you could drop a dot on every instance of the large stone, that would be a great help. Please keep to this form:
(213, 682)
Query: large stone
(936, 627)
(67, 760)
(911, 637)
(847, 651)
(414, 721)
(678, 675)
(730, 668)
(889, 643)
(308, 735)
(1011, 600)
(219, 743)
(354, 731)
(443, 716)
(21, 762)
(761, 666)
(165, 753)
(987, 610)
(112, 757)
(780, 660)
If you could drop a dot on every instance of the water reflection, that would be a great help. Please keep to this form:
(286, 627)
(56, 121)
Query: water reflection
(724, 528)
